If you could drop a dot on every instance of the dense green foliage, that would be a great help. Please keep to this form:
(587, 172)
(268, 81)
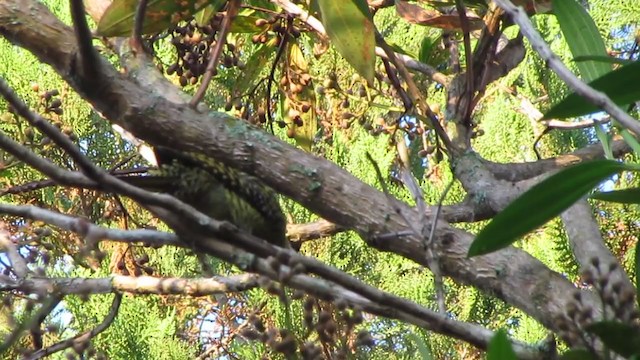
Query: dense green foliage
(182, 327)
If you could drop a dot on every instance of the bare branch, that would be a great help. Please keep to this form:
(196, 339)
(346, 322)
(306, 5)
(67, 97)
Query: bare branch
(312, 230)
(87, 54)
(84, 337)
(315, 183)
(83, 226)
(600, 99)
(136, 36)
(527, 170)
(133, 285)
(377, 302)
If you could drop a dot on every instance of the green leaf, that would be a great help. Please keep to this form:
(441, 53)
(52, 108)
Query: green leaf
(630, 140)
(255, 67)
(400, 50)
(351, 30)
(118, 19)
(204, 16)
(423, 348)
(626, 196)
(619, 337)
(245, 24)
(578, 354)
(582, 36)
(500, 347)
(426, 46)
(542, 203)
(605, 140)
(303, 133)
(621, 85)
(605, 59)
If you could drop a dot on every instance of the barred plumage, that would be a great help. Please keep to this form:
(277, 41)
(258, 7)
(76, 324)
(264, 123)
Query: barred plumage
(224, 193)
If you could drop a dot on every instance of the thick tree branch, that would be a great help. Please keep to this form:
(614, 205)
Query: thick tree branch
(523, 171)
(317, 184)
(133, 285)
(587, 243)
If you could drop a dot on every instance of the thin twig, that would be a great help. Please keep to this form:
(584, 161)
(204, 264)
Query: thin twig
(84, 337)
(415, 93)
(87, 53)
(468, 52)
(45, 309)
(136, 36)
(270, 80)
(81, 225)
(428, 244)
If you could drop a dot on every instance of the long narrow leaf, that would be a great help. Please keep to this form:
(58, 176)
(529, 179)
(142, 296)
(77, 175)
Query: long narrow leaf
(118, 19)
(542, 203)
(605, 140)
(500, 347)
(350, 28)
(630, 140)
(621, 85)
(582, 36)
(626, 196)
(605, 59)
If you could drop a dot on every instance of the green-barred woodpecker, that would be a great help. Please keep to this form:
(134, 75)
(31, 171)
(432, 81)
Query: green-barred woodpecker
(222, 192)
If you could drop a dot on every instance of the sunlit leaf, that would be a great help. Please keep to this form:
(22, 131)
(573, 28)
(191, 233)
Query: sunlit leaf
(630, 140)
(118, 19)
(300, 102)
(542, 203)
(621, 85)
(255, 66)
(423, 348)
(351, 30)
(500, 347)
(622, 338)
(582, 36)
(400, 50)
(605, 140)
(426, 46)
(204, 16)
(626, 196)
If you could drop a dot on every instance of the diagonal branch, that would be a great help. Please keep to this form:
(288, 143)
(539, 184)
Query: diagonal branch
(600, 99)
(84, 337)
(586, 242)
(315, 183)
